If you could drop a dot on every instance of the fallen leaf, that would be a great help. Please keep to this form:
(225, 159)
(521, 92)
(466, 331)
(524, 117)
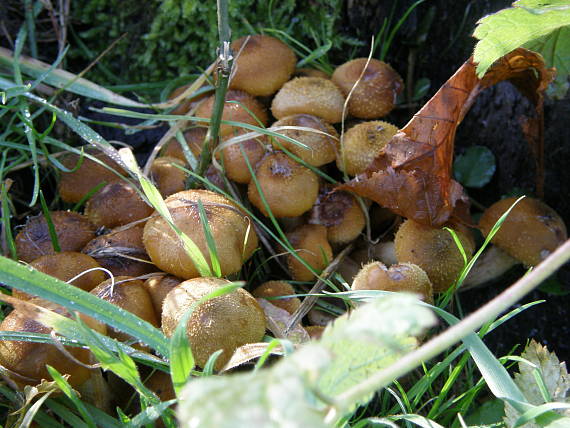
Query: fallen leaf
(412, 175)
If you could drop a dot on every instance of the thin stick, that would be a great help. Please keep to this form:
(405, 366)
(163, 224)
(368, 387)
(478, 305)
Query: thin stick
(309, 301)
(223, 74)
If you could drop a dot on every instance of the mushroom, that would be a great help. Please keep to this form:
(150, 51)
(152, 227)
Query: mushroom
(309, 95)
(232, 155)
(239, 107)
(262, 65)
(404, 277)
(232, 231)
(375, 94)
(311, 244)
(73, 231)
(75, 185)
(362, 143)
(167, 177)
(433, 250)
(225, 322)
(288, 187)
(278, 289)
(67, 265)
(116, 204)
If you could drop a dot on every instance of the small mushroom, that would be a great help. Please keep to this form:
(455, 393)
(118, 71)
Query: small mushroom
(262, 65)
(375, 94)
(311, 244)
(225, 322)
(309, 95)
(278, 289)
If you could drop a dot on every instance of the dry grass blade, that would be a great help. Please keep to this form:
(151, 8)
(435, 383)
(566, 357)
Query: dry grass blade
(309, 301)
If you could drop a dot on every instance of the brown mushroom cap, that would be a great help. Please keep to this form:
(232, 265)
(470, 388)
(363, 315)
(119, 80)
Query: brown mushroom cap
(116, 204)
(121, 251)
(29, 359)
(530, 232)
(130, 295)
(362, 143)
(225, 322)
(289, 188)
(278, 289)
(310, 72)
(406, 277)
(375, 95)
(167, 177)
(229, 226)
(321, 149)
(341, 214)
(158, 287)
(262, 64)
(310, 243)
(65, 266)
(309, 95)
(239, 107)
(433, 250)
(194, 138)
(73, 231)
(74, 186)
(315, 332)
(233, 158)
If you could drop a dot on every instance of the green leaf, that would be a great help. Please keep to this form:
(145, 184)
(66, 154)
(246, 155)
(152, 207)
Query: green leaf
(524, 23)
(278, 397)
(370, 339)
(475, 167)
(555, 48)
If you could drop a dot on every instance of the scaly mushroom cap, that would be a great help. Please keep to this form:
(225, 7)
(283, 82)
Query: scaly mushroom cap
(121, 251)
(129, 294)
(75, 185)
(228, 224)
(29, 359)
(233, 158)
(194, 138)
(309, 95)
(73, 231)
(167, 177)
(321, 149)
(362, 143)
(225, 322)
(116, 204)
(65, 266)
(278, 289)
(310, 243)
(375, 95)
(262, 65)
(433, 250)
(341, 214)
(239, 107)
(530, 232)
(289, 188)
(158, 287)
(404, 277)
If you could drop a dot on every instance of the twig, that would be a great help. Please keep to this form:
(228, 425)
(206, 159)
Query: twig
(223, 73)
(309, 301)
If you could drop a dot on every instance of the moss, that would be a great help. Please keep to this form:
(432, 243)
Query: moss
(171, 38)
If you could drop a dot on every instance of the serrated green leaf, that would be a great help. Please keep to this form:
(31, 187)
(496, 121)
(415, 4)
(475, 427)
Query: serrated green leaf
(555, 48)
(508, 29)
(539, 369)
(278, 397)
(475, 167)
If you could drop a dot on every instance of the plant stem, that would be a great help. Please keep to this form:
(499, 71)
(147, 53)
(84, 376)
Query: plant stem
(224, 68)
(457, 332)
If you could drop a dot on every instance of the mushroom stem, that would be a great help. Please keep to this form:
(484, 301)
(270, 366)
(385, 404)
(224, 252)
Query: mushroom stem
(493, 263)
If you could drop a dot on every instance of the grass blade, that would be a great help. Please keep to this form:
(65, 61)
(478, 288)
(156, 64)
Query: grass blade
(47, 287)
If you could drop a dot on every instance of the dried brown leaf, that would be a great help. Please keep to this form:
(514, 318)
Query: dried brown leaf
(412, 176)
